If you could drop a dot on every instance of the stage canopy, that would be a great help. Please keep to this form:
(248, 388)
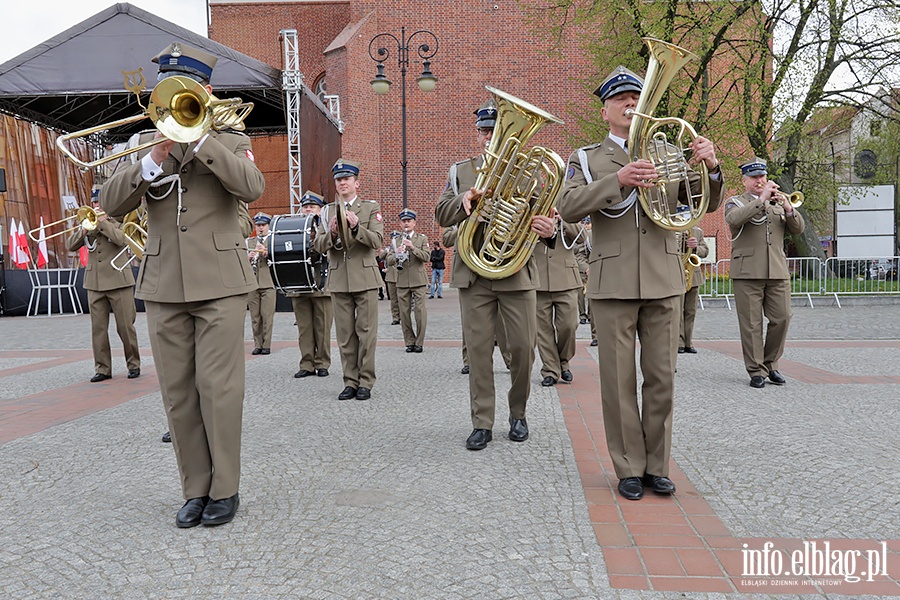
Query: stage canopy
(74, 80)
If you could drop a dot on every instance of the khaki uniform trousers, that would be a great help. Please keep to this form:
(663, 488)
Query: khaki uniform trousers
(583, 306)
(395, 302)
(314, 316)
(356, 329)
(412, 302)
(639, 441)
(481, 309)
(198, 350)
(121, 303)
(262, 315)
(755, 298)
(688, 316)
(557, 318)
(499, 340)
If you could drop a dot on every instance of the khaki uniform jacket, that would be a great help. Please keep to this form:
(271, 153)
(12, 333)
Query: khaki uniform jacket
(103, 244)
(352, 267)
(631, 257)
(194, 251)
(702, 251)
(448, 236)
(557, 268)
(413, 273)
(757, 249)
(449, 211)
(263, 275)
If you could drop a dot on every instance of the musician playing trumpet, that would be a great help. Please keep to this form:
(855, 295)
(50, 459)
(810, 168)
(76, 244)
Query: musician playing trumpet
(409, 253)
(758, 220)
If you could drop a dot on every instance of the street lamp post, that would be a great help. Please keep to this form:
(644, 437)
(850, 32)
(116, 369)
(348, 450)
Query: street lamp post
(381, 84)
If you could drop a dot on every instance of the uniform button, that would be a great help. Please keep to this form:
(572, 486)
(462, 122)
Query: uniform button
(643, 231)
(183, 190)
(184, 169)
(183, 228)
(209, 161)
(134, 185)
(183, 209)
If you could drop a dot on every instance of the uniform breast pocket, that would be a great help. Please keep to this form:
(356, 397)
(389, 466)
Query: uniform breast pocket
(741, 262)
(148, 278)
(233, 264)
(604, 276)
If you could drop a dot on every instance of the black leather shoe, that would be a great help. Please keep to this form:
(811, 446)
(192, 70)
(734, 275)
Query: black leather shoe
(594, 343)
(418, 349)
(478, 439)
(256, 351)
(191, 513)
(431, 297)
(518, 430)
(660, 485)
(134, 373)
(167, 437)
(777, 378)
(465, 370)
(363, 394)
(757, 381)
(410, 348)
(680, 349)
(218, 512)
(265, 351)
(100, 377)
(566, 376)
(395, 322)
(321, 372)
(631, 488)
(548, 381)
(303, 373)
(690, 350)
(348, 393)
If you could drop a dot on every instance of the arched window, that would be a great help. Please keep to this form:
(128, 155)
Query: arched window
(319, 88)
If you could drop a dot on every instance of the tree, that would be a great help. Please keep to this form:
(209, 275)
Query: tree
(761, 65)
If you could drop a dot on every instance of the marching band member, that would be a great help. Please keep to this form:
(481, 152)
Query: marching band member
(635, 284)
(557, 298)
(484, 301)
(314, 314)
(194, 281)
(262, 299)
(353, 279)
(108, 290)
(408, 256)
(390, 279)
(697, 245)
(762, 284)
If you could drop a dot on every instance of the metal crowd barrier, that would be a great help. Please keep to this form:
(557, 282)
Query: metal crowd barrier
(870, 275)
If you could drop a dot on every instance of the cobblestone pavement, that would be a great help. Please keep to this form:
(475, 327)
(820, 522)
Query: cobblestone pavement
(380, 499)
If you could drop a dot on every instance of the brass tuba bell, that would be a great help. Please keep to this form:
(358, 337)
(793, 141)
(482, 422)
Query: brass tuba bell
(518, 184)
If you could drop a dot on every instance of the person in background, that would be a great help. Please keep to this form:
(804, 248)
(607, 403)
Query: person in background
(437, 271)
(262, 299)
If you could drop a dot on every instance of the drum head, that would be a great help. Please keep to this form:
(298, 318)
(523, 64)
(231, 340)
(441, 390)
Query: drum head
(296, 266)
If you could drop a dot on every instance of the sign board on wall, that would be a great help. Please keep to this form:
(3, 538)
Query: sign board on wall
(865, 221)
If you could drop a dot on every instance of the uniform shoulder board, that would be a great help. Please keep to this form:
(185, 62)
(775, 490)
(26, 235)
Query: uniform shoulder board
(590, 146)
(369, 201)
(464, 161)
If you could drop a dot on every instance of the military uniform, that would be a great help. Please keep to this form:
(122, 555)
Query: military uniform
(761, 279)
(582, 255)
(261, 300)
(483, 303)
(557, 299)
(635, 284)
(411, 283)
(689, 310)
(390, 282)
(353, 281)
(108, 290)
(194, 280)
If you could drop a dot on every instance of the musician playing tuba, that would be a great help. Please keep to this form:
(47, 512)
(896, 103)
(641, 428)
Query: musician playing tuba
(635, 283)
(484, 302)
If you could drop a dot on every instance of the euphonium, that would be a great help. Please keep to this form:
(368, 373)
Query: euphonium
(646, 142)
(517, 185)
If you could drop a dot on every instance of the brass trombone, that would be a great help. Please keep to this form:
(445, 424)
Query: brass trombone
(181, 109)
(86, 217)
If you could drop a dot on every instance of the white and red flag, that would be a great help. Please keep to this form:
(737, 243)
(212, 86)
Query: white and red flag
(13, 242)
(24, 256)
(43, 257)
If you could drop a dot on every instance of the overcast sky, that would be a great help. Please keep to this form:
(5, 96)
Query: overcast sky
(29, 22)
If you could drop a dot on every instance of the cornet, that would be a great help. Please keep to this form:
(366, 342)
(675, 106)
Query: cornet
(86, 217)
(795, 198)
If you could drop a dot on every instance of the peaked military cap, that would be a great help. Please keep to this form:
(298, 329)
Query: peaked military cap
(486, 115)
(620, 80)
(180, 59)
(345, 168)
(754, 167)
(312, 198)
(407, 213)
(262, 218)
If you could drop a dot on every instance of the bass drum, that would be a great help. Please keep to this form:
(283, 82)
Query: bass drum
(296, 267)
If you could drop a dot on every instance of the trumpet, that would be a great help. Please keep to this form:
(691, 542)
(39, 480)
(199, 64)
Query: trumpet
(86, 217)
(795, 198)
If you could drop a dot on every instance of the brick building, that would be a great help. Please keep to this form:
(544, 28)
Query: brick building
(479, 43)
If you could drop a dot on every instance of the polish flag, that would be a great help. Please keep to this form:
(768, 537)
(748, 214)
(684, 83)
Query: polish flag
(24, 255)
(13, 242)
(83, 256)
(43, 257)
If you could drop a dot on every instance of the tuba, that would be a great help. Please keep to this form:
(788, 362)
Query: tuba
(517, 184)
(645, 141)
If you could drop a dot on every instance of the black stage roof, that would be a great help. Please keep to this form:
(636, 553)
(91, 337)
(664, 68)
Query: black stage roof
(74, 80)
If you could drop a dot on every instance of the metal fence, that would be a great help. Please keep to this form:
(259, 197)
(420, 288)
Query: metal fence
(811, 277)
